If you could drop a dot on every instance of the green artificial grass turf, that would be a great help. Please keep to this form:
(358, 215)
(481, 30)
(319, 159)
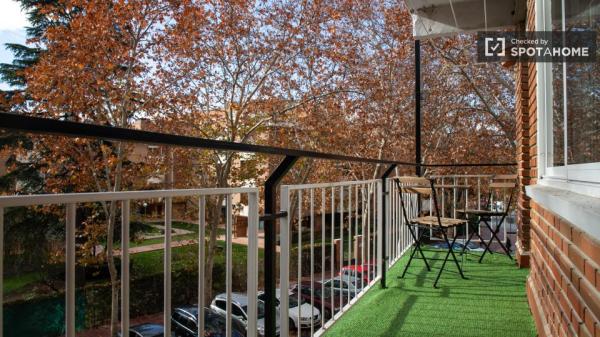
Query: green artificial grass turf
(491, 302)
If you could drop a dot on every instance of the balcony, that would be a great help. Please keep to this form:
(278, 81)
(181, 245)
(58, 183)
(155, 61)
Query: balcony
(326, 232)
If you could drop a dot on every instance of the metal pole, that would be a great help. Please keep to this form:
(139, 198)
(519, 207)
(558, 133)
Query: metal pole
(271, 241)
(418, 107)
(384, 224)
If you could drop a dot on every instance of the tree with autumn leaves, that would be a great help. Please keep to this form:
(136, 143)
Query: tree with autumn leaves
(333, 76)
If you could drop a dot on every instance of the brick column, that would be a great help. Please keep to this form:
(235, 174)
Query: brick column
(526, 154)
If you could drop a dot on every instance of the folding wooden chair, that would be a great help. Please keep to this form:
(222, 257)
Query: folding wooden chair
(425, 188)
(498, 183)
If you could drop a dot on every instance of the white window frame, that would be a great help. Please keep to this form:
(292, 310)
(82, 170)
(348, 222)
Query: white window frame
(579, 178)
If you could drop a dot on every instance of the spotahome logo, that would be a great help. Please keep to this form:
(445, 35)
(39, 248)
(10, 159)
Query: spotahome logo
(558, 46)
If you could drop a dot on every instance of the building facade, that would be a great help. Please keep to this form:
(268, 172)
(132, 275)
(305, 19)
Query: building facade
(558, 121)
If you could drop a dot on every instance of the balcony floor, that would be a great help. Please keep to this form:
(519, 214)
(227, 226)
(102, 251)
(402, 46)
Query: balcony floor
(492, 302)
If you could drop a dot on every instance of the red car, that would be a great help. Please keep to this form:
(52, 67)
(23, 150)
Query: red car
(321, 297)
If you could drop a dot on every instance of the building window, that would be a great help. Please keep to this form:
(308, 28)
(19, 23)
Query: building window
(569, 114)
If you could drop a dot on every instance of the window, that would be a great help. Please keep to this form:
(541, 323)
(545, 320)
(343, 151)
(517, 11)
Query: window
(221, 304)
(189, 323)
(569, 103)
(236, 311)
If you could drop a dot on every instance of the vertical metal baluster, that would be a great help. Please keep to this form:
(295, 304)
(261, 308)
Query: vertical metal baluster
(491, 208)
(284, 260)
(70, 271)
(332, 258)
(394, 207)
(125, 266)
(389, 216)
(478, 193)
(312, 262)
(355, 234)
(466, 207)
(167, 267)
(350, 241)
(323, 240)
(1, 271)
(504, 205)
(443, 198)
(388, 224)
(479, 203)
(201, 258)
(392, 189)
(228, 262)
(369, 189)
(299, 279)
(454, 197)
(398, 216)
(252, 282)
(379, 227)
(400, 221)
(362, 235)
(341, 244)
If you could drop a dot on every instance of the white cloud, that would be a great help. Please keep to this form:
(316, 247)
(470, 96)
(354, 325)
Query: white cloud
(11, 16)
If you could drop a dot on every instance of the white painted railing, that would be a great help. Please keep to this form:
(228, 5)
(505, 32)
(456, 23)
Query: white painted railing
(342, 221)
(71, 202)
(351, 223)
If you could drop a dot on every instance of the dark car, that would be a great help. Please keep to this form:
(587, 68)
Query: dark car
(184, 321)
(322, 297)
(146, 330)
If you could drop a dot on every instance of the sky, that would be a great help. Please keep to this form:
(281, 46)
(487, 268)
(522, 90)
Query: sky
(12, 30)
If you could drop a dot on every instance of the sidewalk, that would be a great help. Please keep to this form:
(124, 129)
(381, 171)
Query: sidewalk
(156, 246)
(174, 244)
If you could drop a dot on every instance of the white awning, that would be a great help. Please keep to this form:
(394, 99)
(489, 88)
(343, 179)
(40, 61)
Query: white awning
(432, 18)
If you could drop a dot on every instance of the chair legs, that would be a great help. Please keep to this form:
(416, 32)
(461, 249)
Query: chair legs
(494, 236)
(416, 247)
(474, 232)
(448, 254)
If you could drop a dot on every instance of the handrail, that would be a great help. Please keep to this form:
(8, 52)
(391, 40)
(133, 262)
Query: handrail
(76, 129)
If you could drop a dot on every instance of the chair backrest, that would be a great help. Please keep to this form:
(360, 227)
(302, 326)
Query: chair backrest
(505, 184)
(504, 181)
(418, 185)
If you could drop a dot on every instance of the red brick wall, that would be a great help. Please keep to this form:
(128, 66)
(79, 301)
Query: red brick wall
(564, 283)
(524, 163)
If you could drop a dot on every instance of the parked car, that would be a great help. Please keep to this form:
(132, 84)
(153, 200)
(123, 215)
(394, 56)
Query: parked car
(184, 321)
(359, 271)
(322, 298)
(239, 309)
(146, 330)
(345, 285)
(299, 314)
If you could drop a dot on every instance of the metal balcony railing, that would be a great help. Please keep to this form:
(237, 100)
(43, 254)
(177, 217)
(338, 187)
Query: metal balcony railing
(70, 203)
(360, 221)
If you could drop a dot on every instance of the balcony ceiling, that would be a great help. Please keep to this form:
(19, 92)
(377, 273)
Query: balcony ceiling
(433, 18)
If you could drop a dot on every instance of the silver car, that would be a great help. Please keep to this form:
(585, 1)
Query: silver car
(344, 285)
(239, 309)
